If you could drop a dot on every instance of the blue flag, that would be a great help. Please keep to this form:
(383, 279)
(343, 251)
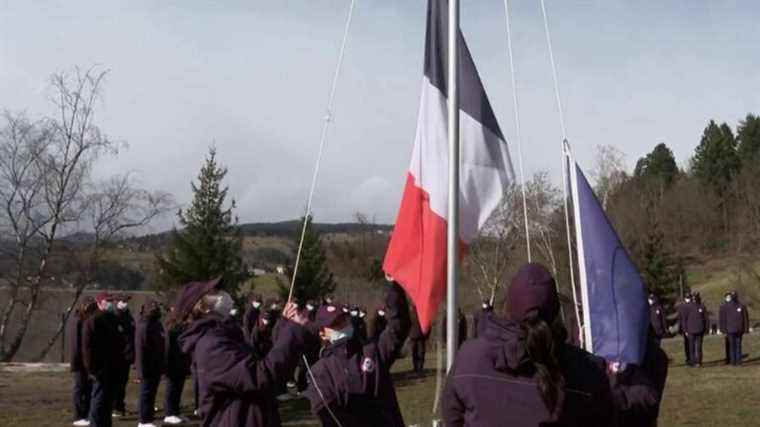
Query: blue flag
(617, 302)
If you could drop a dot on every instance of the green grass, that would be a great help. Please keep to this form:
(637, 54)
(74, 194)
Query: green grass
(715, 395)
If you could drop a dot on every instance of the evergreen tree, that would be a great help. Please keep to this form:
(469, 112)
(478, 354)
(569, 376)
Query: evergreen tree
(658, 165)
(314, 279)
(209, 243)
(748, 136)
(660, 270)
(716, 161)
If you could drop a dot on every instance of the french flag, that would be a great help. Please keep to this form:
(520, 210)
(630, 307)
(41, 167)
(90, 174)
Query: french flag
(416, 256)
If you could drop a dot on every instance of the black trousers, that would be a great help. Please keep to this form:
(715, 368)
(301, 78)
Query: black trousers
(418, 355)
(727, 345)
(148, 389)
(695, 346)
(101, 403)
(174, 387)
(686, 349)
(81, 394)
(196, 391)
(121, 378)
(735, 349)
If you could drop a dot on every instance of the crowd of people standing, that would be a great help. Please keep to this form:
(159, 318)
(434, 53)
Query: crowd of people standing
(339, 358)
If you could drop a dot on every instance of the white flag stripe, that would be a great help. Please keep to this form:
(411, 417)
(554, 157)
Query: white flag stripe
(483, 179)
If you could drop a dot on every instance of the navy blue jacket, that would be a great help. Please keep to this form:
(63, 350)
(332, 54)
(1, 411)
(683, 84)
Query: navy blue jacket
(492, 384)
(236, 388)
(150, 345)
(354, 380)
(126, 327)
(657, 319)
(102, 344)
(696, 322)
(177, 362)
(733, 318)
(74, 339)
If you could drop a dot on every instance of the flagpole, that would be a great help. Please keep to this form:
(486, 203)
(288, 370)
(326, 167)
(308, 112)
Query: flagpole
(452, 273)
(581, 251)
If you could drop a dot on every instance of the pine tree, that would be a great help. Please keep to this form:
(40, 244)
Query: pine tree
(209, 243)
(658, 165)
(748, 135)
(660, 270)
(716, 161)
(314, 279)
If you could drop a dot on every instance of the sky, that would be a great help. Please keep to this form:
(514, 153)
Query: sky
(252, 78)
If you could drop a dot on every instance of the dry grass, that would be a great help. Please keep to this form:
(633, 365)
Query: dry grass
(715, 395)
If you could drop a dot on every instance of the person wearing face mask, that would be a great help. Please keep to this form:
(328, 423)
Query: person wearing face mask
(721, 325)
(657, 318)
(681, 310)
(351, 384)
(696, 325)
(359, 323)
(237, 388)
(127, 331)
(734, 322)
(251, 316)
(150, 343)
(377, 324)
(520, 371)
(477, 319)
(102, 348)
(311, 309)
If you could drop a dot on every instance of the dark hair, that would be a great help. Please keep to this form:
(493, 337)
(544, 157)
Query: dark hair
(86, 308)
(544, 342)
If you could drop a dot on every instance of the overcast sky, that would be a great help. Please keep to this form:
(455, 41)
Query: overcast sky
(253, 76)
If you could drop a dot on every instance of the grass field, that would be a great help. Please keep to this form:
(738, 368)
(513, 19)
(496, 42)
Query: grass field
(715, 395)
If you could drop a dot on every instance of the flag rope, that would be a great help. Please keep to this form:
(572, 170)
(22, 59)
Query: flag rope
(518, 135)
(564, 156)
(322, 143)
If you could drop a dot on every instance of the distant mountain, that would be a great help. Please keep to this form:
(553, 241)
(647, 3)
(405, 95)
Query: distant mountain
(290, 228)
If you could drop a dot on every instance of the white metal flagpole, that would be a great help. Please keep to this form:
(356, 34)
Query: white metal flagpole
(452, 273)
(589, 344)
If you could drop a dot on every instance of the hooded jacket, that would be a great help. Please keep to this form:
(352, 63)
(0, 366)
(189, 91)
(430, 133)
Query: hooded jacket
(150, 344)
(492, 384)
(354, 380)
(236, 388)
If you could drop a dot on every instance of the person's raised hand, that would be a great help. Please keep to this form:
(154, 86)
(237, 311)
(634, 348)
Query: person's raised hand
(292, 313)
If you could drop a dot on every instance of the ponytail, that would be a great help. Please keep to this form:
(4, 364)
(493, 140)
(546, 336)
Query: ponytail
(543, 343)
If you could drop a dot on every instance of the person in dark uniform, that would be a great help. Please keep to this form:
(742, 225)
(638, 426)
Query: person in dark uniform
(311, 310)
(418, 342)
(486, 308)
(150, 344)
(696, 325)
(462, 323)
(237, 388)
(377, 324)
(177, 370)
(359, 323)
(657, 318)
(351, 384)
(82, 383)
(637, 390)
(721, 324)
(262, 336)
(102, 350)
(127, 331)
(734, 322)
(251, 316)
(681, 310)
(521, 371)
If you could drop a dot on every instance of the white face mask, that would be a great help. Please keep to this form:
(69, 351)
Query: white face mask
(335, 336)
(309, 307)
(688, 300)
(256, 304)
(728, 299)
(362, 314)
(485, 306)
(264, 322)
(651, 302)
(381, 313)
(224, 303)
(121, 305)
(354, 313)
